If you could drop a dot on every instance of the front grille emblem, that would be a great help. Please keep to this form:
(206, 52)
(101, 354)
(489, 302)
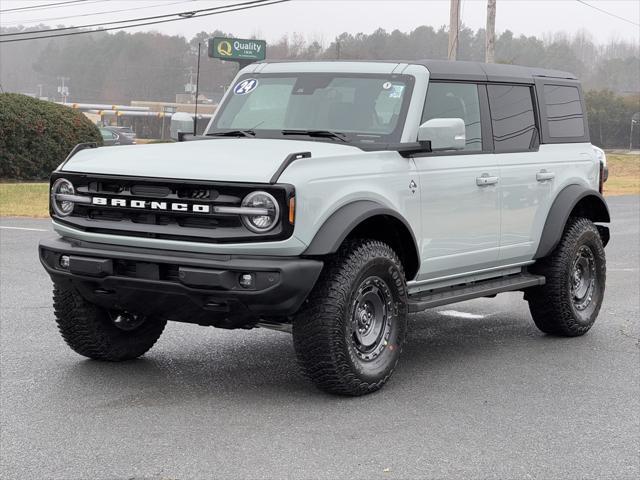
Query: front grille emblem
(151, 205)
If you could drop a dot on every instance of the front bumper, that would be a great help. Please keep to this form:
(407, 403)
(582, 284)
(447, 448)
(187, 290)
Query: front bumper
(187, 287)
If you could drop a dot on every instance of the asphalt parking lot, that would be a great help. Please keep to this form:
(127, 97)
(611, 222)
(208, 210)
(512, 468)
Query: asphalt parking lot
(480, 393)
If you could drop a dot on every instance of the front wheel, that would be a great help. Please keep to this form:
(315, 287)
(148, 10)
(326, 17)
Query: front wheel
(569, 302)
(102, 334)
(349, 335)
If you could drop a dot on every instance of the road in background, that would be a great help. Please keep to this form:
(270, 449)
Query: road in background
(479, 393)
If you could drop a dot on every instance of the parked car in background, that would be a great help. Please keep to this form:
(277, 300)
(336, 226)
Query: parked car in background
(126, 131)
(112, 136)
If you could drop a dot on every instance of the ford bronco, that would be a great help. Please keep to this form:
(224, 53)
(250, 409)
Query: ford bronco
(330, 200)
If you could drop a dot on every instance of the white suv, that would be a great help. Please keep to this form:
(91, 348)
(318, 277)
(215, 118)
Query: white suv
(331, 199)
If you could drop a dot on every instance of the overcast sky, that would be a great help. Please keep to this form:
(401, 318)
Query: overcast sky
(324, 19)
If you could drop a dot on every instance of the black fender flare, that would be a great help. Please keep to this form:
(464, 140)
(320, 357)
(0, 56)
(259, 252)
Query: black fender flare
(560, 210)
(342, 222)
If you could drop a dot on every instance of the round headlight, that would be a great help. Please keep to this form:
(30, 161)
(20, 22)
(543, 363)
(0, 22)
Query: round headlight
(263, 222)
(60, 187)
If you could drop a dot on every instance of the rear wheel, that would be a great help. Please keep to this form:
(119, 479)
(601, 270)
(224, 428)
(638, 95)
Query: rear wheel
(569, 303)
(349, 335)
(102, 334)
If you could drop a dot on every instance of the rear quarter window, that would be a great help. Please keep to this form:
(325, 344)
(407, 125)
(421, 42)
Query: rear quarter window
(564, 111)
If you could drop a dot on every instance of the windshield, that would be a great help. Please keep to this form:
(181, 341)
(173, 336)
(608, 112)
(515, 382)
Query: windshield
(366, 108)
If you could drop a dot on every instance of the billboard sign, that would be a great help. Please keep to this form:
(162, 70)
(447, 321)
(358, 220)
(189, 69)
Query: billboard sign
(237, 49)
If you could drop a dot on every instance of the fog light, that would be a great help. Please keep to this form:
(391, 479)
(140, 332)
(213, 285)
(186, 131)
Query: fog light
(64, 261)
(246, 280)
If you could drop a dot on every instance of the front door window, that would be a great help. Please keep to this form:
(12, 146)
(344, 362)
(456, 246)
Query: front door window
(456, 100)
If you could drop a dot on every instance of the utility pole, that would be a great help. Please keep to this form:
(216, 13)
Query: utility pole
(337, 49)
(195, 114)
(490, 42)
(190, 87)
(63, 90)
(39, 90)
(635, 119)
(454, 29)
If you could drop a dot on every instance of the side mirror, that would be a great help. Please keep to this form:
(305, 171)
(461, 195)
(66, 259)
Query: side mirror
(443, 133)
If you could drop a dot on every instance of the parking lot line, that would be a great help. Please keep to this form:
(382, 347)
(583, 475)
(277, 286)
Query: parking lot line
(457, 314)
(23, 228)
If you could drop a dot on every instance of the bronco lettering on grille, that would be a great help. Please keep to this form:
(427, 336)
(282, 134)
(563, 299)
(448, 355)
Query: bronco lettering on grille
(151, 205)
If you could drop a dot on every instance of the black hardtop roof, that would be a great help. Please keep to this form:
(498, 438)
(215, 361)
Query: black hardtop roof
(464, 70)
(493, 72)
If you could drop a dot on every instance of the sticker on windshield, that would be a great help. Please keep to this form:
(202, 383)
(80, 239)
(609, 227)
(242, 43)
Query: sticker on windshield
(245, 86)
(386, 85)
(396, 91)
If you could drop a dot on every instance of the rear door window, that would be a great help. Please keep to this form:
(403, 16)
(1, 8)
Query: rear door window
(513, 118)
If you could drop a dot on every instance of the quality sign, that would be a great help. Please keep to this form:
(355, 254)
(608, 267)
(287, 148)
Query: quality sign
(237, 49)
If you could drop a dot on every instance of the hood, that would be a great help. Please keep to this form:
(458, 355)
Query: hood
(252, 160)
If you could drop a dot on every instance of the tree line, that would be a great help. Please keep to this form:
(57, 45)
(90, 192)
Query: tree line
(117, 68)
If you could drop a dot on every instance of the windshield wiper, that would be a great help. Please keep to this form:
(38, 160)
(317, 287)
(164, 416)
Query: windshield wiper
(233, 133)
(318, 133)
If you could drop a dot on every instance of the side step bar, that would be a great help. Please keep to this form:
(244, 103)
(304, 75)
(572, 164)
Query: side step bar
(459, 293)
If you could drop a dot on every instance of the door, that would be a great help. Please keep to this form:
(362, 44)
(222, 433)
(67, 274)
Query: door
(527, 176)
(460, 203)
(108, 137)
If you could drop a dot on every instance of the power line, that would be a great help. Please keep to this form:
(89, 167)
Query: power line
(182, 16)
(609, 13)
(84, 2)
(117, 22)
(41, 6)
(99, 13)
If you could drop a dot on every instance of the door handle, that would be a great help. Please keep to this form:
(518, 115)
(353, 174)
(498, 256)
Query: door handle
(485, 179)
(544, 176)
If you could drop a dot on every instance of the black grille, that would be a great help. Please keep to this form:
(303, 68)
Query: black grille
(111, 214)
(150, 191)
(197, 193)
(167, 223)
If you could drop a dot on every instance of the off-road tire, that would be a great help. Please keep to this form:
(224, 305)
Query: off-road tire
(324, 344)
(553, 305)
(90, 331)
